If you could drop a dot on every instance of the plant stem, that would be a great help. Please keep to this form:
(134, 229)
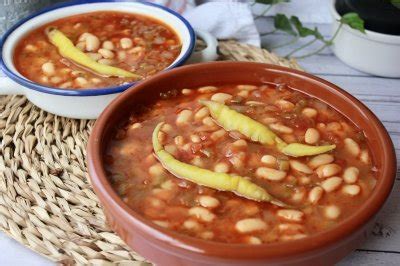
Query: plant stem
(295, 39)
(326, 44)
(267, 33)
(336, 33)
(264, 12)
(312, 53)
(301, 47)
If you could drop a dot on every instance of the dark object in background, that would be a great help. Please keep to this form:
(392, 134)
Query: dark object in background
(381, 16)
(12, 11)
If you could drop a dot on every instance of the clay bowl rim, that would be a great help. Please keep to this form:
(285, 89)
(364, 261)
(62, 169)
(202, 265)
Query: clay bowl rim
(179, 242)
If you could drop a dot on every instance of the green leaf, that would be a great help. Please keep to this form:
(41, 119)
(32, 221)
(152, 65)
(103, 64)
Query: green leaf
(317, 34)
(282, 22)
(271, 2)
(303, 31)
(354, 21)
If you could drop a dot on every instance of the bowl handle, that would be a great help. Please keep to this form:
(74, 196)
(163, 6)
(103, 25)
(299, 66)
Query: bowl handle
(207, 54)
(10, 87)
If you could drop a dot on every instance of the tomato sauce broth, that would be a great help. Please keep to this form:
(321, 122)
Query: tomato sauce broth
(135, 43)
(323, 189)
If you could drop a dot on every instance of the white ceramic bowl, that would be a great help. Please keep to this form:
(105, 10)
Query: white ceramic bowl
(89, 103)
(374, 53)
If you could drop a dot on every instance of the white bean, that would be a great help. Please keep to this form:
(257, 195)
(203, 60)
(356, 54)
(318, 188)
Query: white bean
(332, 183)
(315, 194)
(81, 46)
(198, 161)
(292, 237)
(309, 112)
(350, 174)
(207, 235)
(168, 185)
(254, 240)
(240, 143)
(164, 224)
(328, 170)
(136, 125)
(195, 138)
(200, 114)
(312, 136)
(243, 94)
(206, 89)
(208, 121)
(179, 140)
(290, 215)
(106, 53)
(48, 68)
(208, 202)
(269, 160)
(191, 225)
(247, 87)
(332, 212)
(364, 157)
(171, 149)
(352, 147)
(83, 36)
(126, 43)
(250, 225)
(202, 214)
(65, 85)
(218, 134)
(92, 43)
(31, 48)
(136, 50)
(108, 45)
(81, 81)
(284, 105)
(221, 97)
(281, 128)
(321, 159)
(184, 117)
(300, 167)
(352, 190)
(270, 174)
(186, 91)
(221, 168)
(167, 128)
(55, 79)
(157, 170)
(121, 55)
(237, 160)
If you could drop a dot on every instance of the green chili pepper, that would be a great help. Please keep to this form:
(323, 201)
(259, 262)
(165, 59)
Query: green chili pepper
(230, 119)
(67, 49)
(298, 149)
(220, 181)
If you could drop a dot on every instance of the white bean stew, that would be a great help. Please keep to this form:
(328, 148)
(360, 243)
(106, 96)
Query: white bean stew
(131, 45)
(223, 163)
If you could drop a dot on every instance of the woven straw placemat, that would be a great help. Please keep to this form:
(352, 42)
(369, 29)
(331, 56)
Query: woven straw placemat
(46, 201)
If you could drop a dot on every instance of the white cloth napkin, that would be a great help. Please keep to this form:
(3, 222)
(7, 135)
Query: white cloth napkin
(223, 19)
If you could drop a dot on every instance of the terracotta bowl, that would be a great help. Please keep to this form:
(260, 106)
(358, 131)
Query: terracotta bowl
(165, 247)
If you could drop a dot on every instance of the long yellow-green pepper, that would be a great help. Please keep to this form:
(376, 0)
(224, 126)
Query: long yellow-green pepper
(67, 49)
(220, 181)
(230, 119)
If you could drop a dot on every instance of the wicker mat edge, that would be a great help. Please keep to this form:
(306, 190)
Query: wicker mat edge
(46, 201)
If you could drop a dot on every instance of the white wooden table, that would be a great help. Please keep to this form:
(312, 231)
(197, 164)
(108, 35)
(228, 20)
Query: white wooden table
(381, 95)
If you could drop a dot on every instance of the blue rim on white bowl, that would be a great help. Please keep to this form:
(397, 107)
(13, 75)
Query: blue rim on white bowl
(87, 92)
